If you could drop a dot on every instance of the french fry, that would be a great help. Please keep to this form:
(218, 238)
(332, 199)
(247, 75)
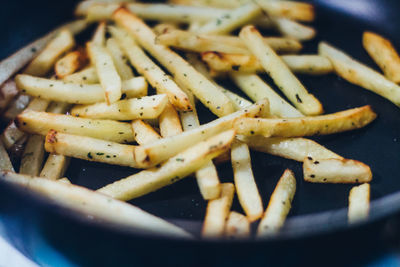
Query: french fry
(58, 107)
(280, 73)
(32, 158)
(120, 60)
(153, 73)
(288, 9)
(16, 107)
(279, 206)
(237, 226)
(360, 74)
(144, 133)
(70, 63)
(293, 29)
(172, 170)
(44, 62)
(64, 180)
(158, 12)
(86, 76)
(246, 187)
(12, 135)
(92, 204)
(218, 212)
(91, 149)
(5, 162)
(42, 122)
(384, 54)
(75, 93)
(99, 36)
(8, 92)
(152, 154)
(162, 28)
(232, 19)
(37, 104)
(108, 75)
(200, 86)
(207, 177)
(255, 88)
(169, 122)
(290, 148)
(192, 41)
(342, 121)
(359, 203)
(147, 107)
(336, 171)
(18, 60)
(83, 7)
(55, 167)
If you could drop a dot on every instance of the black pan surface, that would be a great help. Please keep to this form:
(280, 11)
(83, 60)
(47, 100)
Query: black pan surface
(318, 215)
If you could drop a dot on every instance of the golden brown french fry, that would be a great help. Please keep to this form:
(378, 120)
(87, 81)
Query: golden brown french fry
(153, 73)
(169, 122)
(279, 206)
(237, 226)
(44, 62)
(144, 133)
(342, 121)
(8, 92)
(32, 158)
(384, 54)
(218, 212)
(147, 107)
(120, 60)
(55, 167)
(255, 88)
(172, 170)
(42, 122)
(106, 71)
(288, 9)
(291, 148)
(92, 204)
(200, 86)
(152, 154)
(192, 41)
(70, 63)
(360, 74)
(280, 73)
(86, 76)
(246, 187)
(5, 162)
(75, 93)
(336, 171)
(359, 203)
(232, 19)
(91, 149)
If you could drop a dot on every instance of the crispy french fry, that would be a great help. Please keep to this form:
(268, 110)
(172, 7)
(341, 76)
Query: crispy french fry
(255, 88)
(70, 63)
(92, 204)
(291, 148)
(246, 187)
(384, 54)
(218, 212)
(360, 74)
(147, 107)
(5, 162)
(288, 9)
(200, 86)
(91, 149)
(172, 170)
(237, 226)
(44, 62)
(99, 36)
(18, 60)
(152, 154)
(154, 74)
(144, 133)
(192, 41)
(32, 158)
(293, 29)
(64, 180)
(108, 75)
(169, 122)
(86, 76)
(280, 73)
(42, 122)
(120, 60)
(8, 92)
(336, 171)
(75, 93)
(232, 19)
(279, 206)
(342, 121)
(359, 203)
(55, 167)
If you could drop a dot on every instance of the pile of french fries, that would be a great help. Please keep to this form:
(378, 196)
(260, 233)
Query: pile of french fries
(92, 102)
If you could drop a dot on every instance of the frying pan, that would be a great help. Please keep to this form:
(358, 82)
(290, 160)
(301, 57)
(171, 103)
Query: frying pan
(316, 231)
